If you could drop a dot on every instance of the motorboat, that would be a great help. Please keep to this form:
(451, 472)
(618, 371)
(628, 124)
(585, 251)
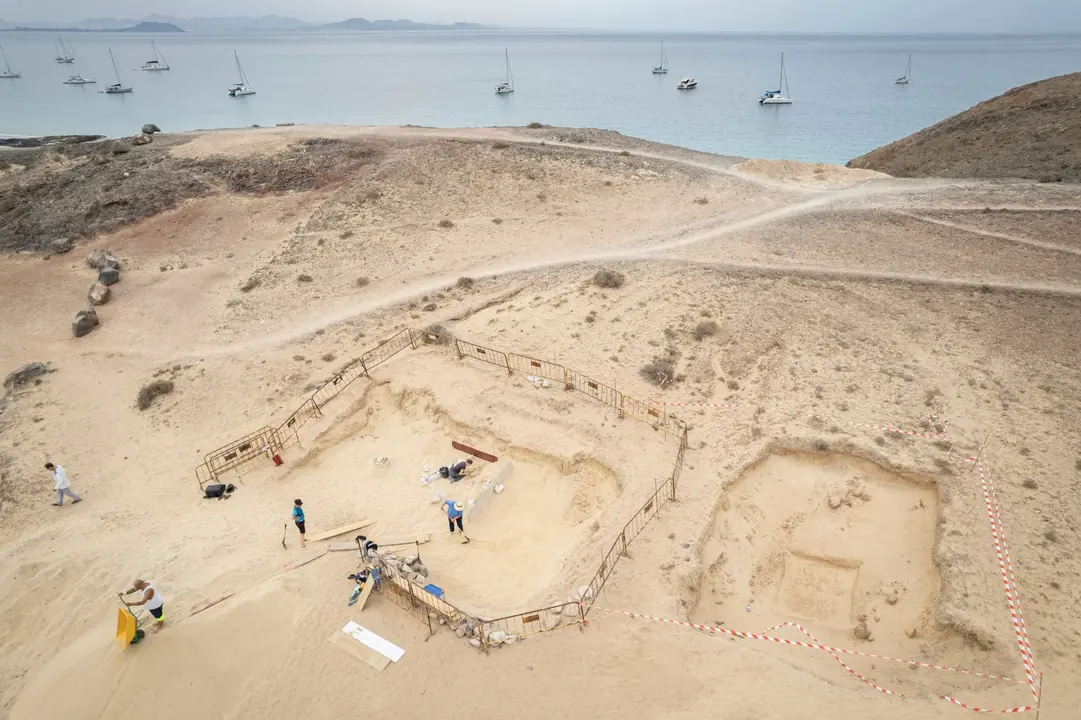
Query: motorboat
(687, 83)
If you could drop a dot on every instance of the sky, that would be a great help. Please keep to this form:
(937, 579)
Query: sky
(884, 16)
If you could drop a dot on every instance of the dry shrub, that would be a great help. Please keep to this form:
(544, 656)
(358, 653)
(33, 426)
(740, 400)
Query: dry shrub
(249, 284)
(701, 201)
(152, 390)
(465, 283)
(609, 279)
(362, 281)
(437, 334)
(625, 153)
(660, 365)
(346, 235)
(329, 357)
(304, 278)
(705, 329)
(430, 307)
(497, 221)
(535, 125)
(446, 224)
(500, 145)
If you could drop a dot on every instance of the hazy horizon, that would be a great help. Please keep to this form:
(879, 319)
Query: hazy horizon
(765, 16)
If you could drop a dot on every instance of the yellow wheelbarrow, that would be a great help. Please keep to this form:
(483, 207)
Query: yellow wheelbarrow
(128, 631)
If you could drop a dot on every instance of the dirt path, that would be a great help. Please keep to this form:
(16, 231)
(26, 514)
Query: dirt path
(991, 234)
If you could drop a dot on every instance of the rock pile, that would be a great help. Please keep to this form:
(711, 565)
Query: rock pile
(108, 268)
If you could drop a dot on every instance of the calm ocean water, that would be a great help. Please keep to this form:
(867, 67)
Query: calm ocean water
(845, 99)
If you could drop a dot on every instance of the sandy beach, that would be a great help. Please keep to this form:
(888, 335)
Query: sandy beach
(860, 360)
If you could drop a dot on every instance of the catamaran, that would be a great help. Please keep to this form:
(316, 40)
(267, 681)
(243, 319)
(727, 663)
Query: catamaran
(507, 86)
(776, 97)
(907, 77)
(8, 72)
(116, 88)
(240, 88)
(64, 56)
(158, 63)
(687, 83)
(662, 69)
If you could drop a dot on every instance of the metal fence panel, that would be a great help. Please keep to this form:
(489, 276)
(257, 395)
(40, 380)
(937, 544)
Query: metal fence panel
(479, 352)
(598, 391)
(542, 368)
(652, 414)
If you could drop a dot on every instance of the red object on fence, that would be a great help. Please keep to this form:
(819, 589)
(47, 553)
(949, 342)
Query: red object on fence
(278, 459)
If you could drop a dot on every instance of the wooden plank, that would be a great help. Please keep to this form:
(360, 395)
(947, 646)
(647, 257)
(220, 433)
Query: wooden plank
(364, 595)
(360, 651)
(341, 530)
(473, 451)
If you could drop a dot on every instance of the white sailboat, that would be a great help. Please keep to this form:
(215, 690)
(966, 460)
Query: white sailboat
(158, 63)
(907, 77)
(687, 83)
(64, 56)
(662, 69)
(77, 78)
(776, 97)
(240, 88)
(507, 86)
(118, 87)
(8, 73)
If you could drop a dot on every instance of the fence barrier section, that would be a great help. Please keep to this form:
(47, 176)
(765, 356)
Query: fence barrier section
(262, 443)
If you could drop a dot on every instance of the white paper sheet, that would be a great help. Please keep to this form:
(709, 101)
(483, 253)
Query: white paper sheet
(381, 645)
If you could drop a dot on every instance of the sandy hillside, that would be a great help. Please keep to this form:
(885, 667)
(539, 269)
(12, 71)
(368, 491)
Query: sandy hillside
(1027, 132)
(797, 317)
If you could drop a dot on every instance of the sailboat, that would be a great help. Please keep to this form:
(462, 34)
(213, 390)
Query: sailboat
(662, 69)
(907, 77)
(8, 72)
(507, 86)
(240, 88)
(116, 88)
(77, 78)
(65, 56)
(158, 63)
(776, 97)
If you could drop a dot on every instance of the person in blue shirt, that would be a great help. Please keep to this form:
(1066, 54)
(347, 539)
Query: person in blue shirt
(298, 517)
(455, 511)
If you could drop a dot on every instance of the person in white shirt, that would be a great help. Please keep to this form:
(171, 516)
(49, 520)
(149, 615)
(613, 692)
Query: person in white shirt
(152, 599)
(63, 486)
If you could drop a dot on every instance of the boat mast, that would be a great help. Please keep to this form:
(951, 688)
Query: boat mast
(780, 80)
(115, 70)
(6, 63)
(506, 55)
(908, 70)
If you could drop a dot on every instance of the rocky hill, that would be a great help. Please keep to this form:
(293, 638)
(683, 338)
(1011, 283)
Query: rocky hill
(1029, 132)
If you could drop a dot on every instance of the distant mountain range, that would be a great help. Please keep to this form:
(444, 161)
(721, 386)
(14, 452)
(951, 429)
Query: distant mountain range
(168, 23)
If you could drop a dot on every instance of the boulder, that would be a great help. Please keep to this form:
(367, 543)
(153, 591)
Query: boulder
(460, 631)
(59, 246)
(585, 592)
(150, 129)
(496, 637)
(141, 139)
(98, 294)
(25, 374)
(422, 571)
(891, 598)
(99, 259)
(108, 276)
(119, 147)
(85, 321)
(475, 643)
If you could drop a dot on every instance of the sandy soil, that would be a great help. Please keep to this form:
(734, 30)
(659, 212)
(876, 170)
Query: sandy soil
(799, 314)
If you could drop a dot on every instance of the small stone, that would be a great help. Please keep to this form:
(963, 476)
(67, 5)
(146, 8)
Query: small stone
(891, 598)
(510, 639)
(422, 571)
(119, 147)
(141, 139)
(860, 631)
(98, 294)
(59, 246)
(585, 592)
(496, 637)
(25, 374)
(460, 632)
(150, 129)
(475, 643)
(108, 276)
(85, 321)
(834, 501)
(99, 259)
(911, 633)
(671, 536)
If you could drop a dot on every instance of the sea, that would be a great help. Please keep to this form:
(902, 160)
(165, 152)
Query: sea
(845, 99)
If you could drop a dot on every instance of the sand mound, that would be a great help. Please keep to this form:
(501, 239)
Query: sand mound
(806, 174)
(1028, 132)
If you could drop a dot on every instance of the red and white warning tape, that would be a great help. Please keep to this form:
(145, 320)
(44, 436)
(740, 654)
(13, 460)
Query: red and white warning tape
(834, 652)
